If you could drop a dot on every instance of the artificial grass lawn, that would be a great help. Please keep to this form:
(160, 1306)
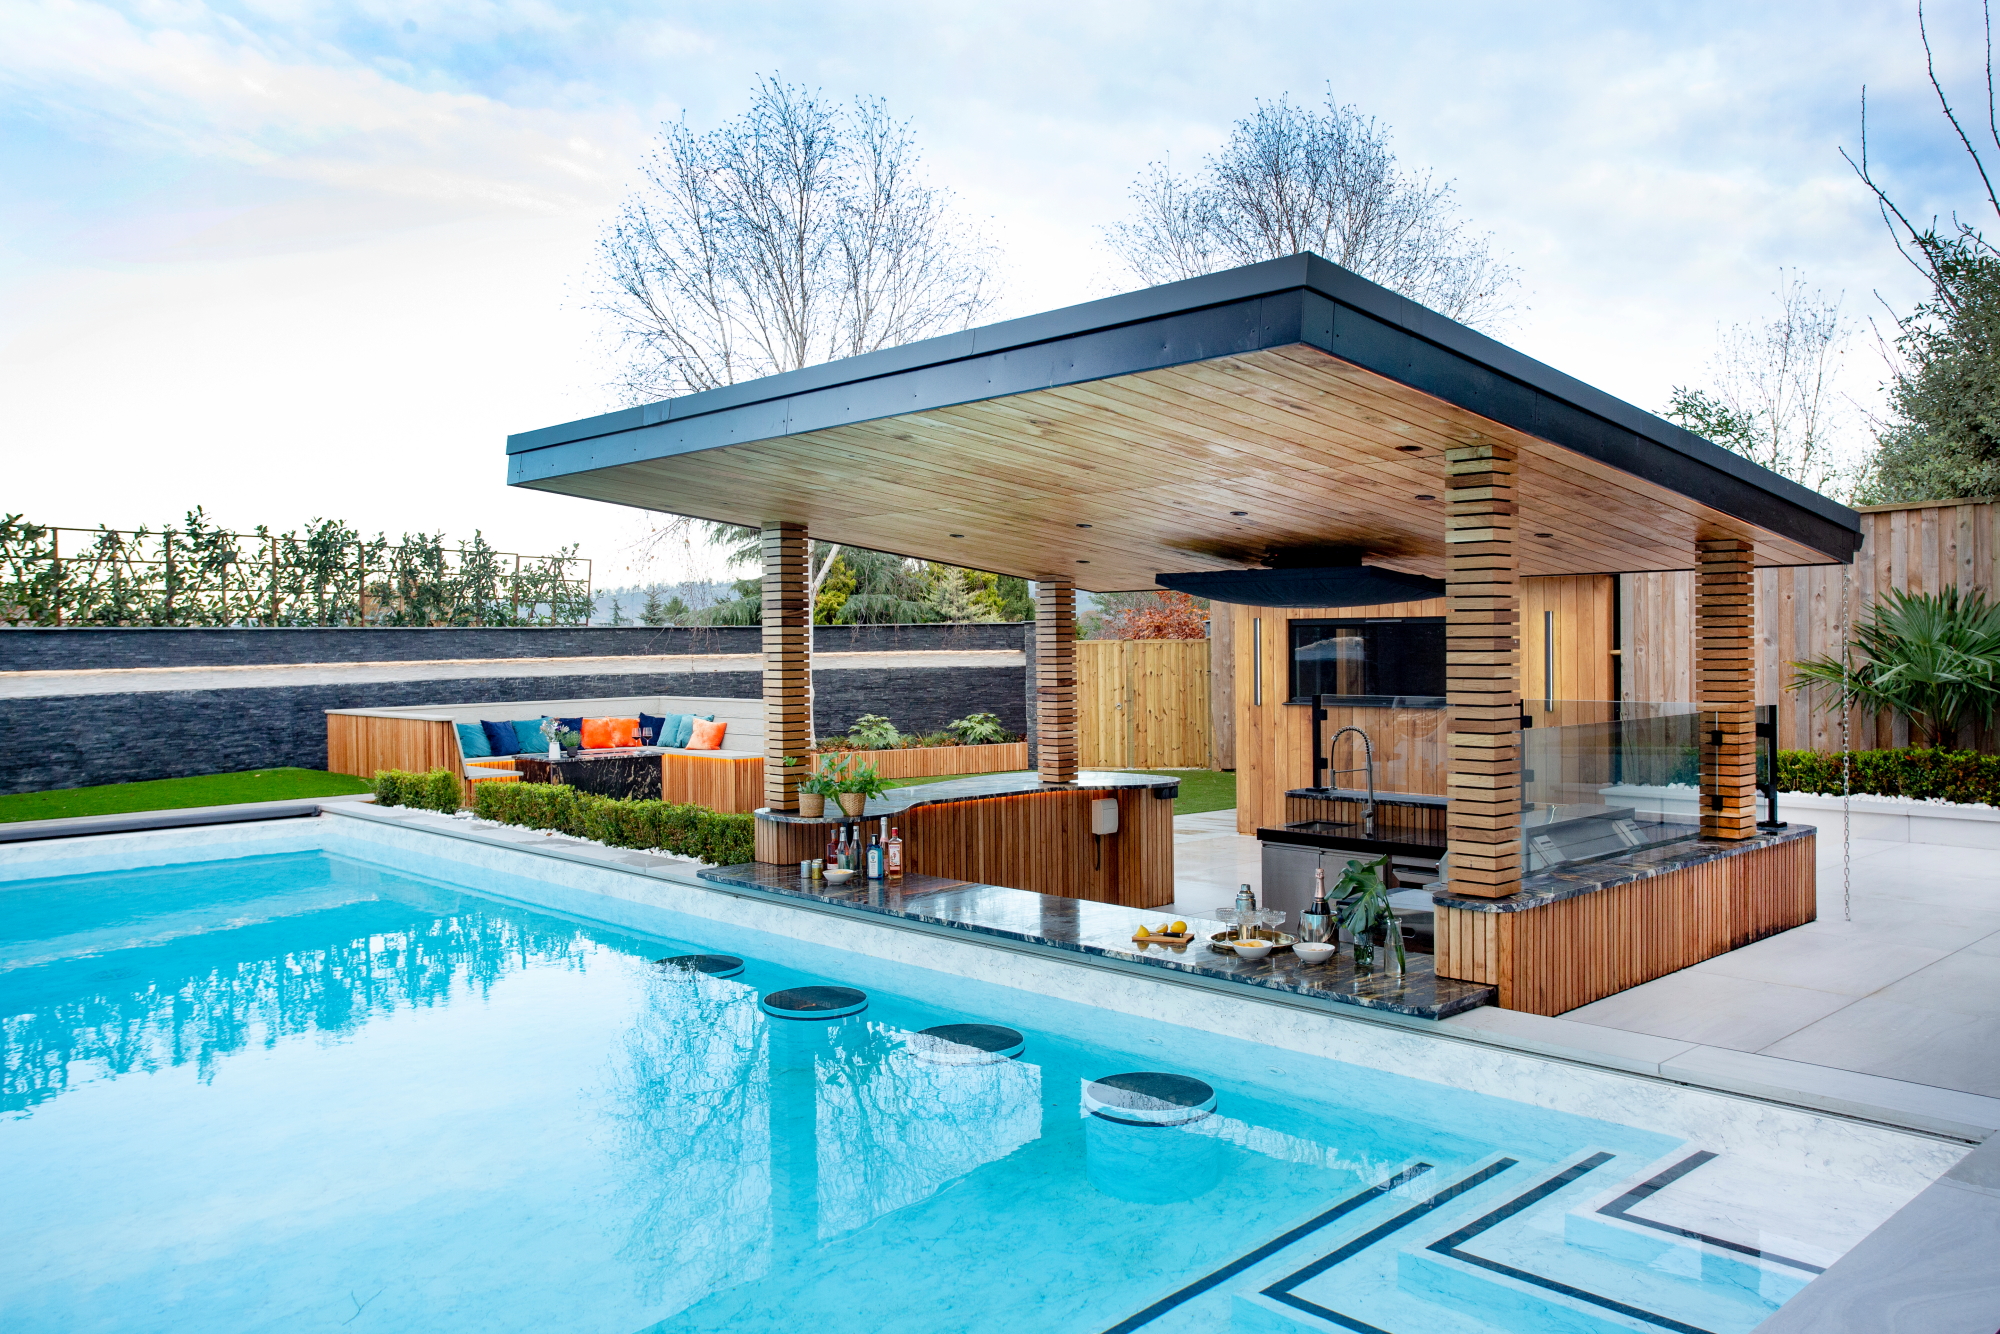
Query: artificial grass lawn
(168, 794)
(1201, 789)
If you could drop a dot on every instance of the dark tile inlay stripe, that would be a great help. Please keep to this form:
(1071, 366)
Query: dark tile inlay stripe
(1450, 1246)
(1268, 1249)
(1621, 1208)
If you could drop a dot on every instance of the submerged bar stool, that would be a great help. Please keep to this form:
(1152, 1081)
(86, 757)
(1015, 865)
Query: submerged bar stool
(714, 965)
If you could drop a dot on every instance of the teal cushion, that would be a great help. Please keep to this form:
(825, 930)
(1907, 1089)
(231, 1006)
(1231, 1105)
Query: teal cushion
(528, 733)
(472, 742)
(684, 726)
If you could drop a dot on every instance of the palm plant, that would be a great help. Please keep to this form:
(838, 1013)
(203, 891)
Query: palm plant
(1933, 658)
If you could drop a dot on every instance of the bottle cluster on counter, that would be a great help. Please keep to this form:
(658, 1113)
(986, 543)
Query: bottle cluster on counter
(880, 858)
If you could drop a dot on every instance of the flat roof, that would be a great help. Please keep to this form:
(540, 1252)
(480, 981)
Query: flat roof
(1196, 425)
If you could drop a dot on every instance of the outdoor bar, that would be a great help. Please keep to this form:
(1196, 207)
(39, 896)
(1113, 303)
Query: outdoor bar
(1316, 456)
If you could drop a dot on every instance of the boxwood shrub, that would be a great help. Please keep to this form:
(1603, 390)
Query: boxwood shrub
(436, 790)
(685, 831)
(1952, 775)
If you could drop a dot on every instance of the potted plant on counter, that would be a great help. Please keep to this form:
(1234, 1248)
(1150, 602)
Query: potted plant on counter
(856, 786)
(1364, 912)
(822, 783)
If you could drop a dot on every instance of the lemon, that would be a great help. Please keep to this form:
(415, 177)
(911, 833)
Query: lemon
(1144, 932)
(1180, 928)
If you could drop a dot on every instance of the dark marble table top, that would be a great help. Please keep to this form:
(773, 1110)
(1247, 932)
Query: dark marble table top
(1105, 931)
(897, 800)
(1579, 878)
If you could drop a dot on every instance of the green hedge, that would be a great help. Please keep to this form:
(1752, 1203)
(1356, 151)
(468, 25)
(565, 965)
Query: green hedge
(686, 831)
(433, 791)
(1953, 775)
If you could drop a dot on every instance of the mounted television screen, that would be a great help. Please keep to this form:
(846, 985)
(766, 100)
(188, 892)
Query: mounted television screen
(1395, 663)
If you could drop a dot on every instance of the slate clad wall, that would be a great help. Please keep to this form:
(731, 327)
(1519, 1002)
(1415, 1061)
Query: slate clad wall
(42, 649)
(80, 740)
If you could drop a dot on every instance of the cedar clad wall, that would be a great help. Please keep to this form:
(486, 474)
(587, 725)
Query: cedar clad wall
(1916, 548)
(1274, 740)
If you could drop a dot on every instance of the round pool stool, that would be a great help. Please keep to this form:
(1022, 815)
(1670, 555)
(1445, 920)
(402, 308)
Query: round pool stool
(967, 1044)
(715, 965)
(1149, 1098)
(820, 1003)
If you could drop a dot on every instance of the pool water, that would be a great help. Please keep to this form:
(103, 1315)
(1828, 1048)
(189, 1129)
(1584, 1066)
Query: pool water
(307, 1091)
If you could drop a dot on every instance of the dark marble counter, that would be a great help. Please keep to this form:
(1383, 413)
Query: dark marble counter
(609, 773)
(1579, 878)
(897, 800)
(1105, 931)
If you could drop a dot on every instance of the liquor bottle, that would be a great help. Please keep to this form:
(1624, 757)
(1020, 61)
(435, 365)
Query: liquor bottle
(874, 858)
(893, 854)
(833, 846)
(849, 850)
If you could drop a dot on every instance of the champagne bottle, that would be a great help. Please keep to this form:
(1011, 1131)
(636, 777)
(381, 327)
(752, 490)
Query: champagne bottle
(893, 854)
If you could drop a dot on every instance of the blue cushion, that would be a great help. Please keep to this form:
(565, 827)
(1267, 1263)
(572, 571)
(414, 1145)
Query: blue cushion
(651, 728)
(500, 738)
(573, 725)
(472, 741)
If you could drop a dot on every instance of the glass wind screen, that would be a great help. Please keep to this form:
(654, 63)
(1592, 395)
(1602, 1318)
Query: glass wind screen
(1606, 778)
(1385, 659)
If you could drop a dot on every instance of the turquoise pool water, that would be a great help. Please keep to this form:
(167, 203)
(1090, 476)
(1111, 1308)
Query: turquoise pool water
(306, 1091)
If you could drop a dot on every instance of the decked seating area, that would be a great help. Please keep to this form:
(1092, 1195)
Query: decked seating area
(725, 777)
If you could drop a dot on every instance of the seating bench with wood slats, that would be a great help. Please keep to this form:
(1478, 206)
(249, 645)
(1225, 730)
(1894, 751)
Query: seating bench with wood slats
(421, 737)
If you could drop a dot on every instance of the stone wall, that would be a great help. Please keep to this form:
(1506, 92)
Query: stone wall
(77, 740)
(41, 649)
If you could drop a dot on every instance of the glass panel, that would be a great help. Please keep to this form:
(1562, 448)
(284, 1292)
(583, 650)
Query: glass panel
(1604, 778)
(1401, 660)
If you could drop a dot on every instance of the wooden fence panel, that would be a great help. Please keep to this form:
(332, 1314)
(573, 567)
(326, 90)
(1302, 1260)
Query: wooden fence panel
(1922, 548)
(1143, 703)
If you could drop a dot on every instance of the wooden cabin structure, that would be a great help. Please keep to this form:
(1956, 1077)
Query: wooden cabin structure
(1286, 424)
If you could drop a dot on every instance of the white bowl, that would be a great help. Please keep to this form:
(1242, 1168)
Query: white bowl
(1314, 952)
(835, 875)
(1252, 950)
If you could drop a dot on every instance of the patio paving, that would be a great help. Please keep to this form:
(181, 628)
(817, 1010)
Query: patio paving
(1909, 989)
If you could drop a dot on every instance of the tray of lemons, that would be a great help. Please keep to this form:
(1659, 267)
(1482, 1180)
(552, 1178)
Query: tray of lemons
(1171, 933)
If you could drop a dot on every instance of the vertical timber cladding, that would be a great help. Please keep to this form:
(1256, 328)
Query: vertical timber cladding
(1482, 672)
(1055, 680)
(1725, 684)
(787, 665)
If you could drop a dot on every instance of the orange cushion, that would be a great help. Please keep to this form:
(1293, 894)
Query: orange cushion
(707, 736)
(605, 733)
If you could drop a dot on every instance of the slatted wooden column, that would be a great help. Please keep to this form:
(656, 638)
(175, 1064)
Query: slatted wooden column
(1482, 672)
(787, 665)
(1055, 680)
(1726, 683)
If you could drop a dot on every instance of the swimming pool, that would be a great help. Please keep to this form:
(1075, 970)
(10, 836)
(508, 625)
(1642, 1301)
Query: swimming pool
(308, 1084)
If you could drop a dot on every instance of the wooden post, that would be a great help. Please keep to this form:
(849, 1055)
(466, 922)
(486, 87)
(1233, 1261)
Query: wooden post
(1055, 680)
(1725, 684)
(1482, 672)
(787, 665)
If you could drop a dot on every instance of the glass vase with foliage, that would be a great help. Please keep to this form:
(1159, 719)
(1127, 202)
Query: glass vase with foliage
(1363, 911)
(1932, 658)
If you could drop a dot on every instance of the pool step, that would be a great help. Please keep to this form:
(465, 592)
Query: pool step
(1511, 1244)
(1519, 1261)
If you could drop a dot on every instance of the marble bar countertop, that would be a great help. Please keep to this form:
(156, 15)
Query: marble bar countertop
(1353, 794)
(979, 786)
(1579, 878)
(1105, 931)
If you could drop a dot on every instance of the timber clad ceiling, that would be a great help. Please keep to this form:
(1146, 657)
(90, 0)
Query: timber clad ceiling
(1316, 450)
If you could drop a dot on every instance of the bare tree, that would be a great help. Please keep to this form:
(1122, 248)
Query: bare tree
(799, 232)
(1774, 393)
(1293, 179)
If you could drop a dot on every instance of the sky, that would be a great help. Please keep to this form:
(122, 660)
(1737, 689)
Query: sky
(285, 260)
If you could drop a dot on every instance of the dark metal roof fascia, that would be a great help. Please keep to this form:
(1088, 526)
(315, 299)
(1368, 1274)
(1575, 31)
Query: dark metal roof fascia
(1301, 298)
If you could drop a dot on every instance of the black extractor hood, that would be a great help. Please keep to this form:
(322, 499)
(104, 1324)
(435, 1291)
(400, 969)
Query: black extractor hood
(1307, 577)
